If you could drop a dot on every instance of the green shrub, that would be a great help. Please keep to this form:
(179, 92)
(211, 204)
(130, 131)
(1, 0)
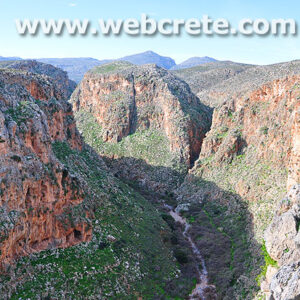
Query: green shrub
(181, 256)
(264, 130)
(269, 261)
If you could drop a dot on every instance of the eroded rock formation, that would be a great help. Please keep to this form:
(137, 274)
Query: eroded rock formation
(125, 99)
(36, 191)
(56, 76)
(283, 244)
(102, 238)
(267, 118)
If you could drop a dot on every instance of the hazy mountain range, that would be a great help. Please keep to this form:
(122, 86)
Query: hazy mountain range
(9, 58)
(193, 62)
(77, 67)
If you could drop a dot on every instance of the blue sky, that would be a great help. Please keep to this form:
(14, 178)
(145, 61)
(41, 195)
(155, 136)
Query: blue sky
(260, 50)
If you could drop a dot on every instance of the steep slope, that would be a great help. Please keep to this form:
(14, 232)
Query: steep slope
(28, 192)
(141, 115)
(246, 159)
(282, 237)
(55, 192)
(193, 62)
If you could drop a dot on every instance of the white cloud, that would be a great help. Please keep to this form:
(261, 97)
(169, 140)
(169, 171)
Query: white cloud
(72, 4)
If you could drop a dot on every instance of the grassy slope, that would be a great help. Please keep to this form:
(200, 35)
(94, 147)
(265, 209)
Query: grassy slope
(150, 145)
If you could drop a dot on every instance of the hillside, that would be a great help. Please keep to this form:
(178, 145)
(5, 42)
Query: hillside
(53, 74)
(249, 80)
(205, 77)
(77, 67)
(150, 57)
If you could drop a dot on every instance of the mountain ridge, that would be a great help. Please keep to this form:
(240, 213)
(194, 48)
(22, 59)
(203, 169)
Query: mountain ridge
(76, 67)
(193, 62)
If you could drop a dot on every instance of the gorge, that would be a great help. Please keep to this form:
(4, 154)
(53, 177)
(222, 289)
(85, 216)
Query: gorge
(146, 183)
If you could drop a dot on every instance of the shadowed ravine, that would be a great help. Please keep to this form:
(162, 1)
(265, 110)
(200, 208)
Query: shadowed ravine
(203, 288)
(206, 229)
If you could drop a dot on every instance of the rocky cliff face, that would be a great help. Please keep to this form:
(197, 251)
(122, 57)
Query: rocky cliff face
(246, 159)
(249, 154)
(70, 223)
(125, 99)
(267, 118)
(143, 113)
(282, 239)
(35, 187)
(55, 76)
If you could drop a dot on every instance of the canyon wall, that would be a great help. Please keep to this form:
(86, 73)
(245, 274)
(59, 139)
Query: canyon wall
(68, 227)
(36, 190)
(141, 116)
(56, 76)
(125, 99)
(248, 161)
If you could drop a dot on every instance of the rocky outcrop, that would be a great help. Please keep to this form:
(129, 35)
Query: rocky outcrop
(35, 188)
(294, 162)
(126, 99)
(55, 76)
(285, 283)
(282, 239)
(143, 120)
(265, 118)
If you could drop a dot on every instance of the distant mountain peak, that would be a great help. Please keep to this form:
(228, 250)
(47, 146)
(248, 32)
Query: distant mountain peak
(149, 52)
(193, 62)
(2, 58)
(150, 57)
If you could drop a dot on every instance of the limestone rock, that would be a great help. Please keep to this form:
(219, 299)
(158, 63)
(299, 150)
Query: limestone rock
(283, 233)
(282, 243)
(126, 99)
(35, 188)
(285, 284)
(58, 77)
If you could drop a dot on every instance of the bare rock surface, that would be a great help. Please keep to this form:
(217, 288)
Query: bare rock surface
(282, 243)
(35, 187)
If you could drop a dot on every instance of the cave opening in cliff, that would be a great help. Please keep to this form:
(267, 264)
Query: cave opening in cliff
(77, 234)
